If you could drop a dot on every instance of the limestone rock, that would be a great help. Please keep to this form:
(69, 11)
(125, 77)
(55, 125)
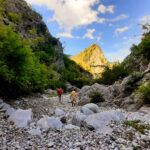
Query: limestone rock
(10, 111)
(49, 123)
(59, 112)
(36, 131)
(86, 111)
(100, 121)
(92, 107)
(21, 118)
(78, 119)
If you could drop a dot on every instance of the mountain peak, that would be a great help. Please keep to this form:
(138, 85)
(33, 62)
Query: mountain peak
(92, 59)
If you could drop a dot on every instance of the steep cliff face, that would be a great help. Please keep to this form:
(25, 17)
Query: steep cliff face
(29, 24)
(92, 59)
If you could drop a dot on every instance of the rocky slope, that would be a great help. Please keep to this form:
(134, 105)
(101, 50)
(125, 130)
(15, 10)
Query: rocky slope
(60, 126)
(92, 59)
(29, 24)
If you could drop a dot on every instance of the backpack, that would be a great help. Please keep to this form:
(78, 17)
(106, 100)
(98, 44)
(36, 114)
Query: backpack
(59, 91)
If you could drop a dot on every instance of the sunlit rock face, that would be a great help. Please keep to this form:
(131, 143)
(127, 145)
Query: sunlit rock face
(92, 59)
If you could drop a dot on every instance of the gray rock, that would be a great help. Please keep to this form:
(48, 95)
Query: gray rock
(1, 105)
(100, 121)
(93, 107)
(139, 116)
(49, 123)
(78, 119)
(86, 111)
(10, 111)
(36, 131)
(71, 127)
(6, 107)
(59, 112)
(21, 118)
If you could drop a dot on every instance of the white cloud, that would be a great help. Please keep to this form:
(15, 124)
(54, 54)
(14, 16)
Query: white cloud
(118, 18)
(125, 38)
(121, 30)
(103, 9)
(145, 19)
(70, 14)
(89, 34)
(68, 35)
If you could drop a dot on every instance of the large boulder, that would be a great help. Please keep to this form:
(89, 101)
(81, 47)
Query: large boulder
(59, 112)
(93, 107)
(5, 106)
(100, 121)
(78, 119)
(21, 118)
(85, 92)
(86, 111)
(49, 123)
(10, 111)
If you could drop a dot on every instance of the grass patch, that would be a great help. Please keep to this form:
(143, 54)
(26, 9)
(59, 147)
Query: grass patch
(139, 127)
(52, 95)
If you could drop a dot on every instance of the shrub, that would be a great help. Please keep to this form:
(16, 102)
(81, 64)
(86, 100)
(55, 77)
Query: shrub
(54, 84)
(144, 91)
(96, 97)
(15, 18)
(20, 70)
(109, 76)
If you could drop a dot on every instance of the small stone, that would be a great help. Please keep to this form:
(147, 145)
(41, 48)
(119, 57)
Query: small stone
(50, 144)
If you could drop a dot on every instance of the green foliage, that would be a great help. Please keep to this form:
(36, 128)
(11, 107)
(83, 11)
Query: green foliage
(54, 84)
(96, 97)
(109, 76)
(75, 74)
(136, 124)
(20, 70)
(15, 18)
(144, 91)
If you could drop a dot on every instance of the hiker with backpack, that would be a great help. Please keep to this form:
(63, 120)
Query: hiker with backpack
(73, 98)
(60, 92)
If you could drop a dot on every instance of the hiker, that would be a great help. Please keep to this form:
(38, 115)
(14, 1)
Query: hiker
(60, 92)
(73, 98)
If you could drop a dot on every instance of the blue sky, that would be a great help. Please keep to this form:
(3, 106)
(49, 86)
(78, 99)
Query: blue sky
(112, 24)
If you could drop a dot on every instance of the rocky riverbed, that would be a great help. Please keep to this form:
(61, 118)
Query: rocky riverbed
(76, 128)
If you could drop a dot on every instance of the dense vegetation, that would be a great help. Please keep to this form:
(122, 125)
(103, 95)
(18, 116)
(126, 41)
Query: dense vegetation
(75, 74)
(96, 97)
(144, 91)
(28, 55)
(109, 76)
(139, 53)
